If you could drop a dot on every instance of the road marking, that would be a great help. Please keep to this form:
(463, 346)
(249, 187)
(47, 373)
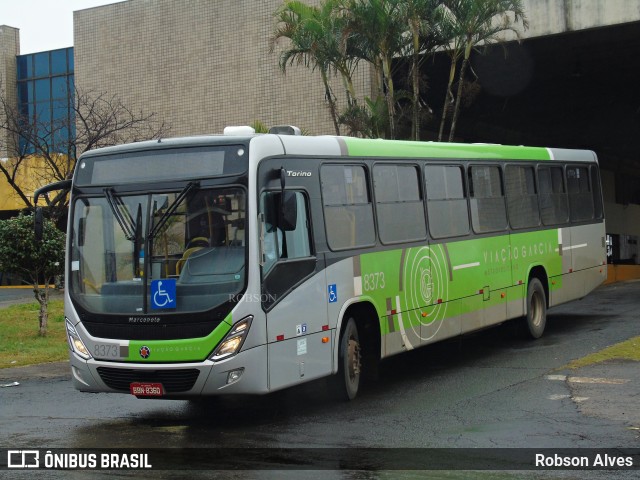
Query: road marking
(603, 381)
(558, 397)
(563, 397)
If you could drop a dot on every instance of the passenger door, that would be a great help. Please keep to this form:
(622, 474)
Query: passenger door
(294, 295)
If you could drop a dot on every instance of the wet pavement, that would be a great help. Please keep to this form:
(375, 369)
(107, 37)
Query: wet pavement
(484, 390)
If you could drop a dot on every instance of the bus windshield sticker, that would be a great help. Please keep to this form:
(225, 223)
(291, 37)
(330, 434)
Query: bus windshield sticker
(163, 293)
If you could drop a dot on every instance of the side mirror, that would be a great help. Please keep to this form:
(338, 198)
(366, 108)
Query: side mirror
(288, 218)
(38, 224)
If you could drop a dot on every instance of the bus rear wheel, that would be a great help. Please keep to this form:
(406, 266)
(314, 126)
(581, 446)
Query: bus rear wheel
(536, 319)
(347, 381)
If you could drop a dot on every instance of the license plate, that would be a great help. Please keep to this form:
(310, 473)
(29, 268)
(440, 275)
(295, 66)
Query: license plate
(146, 389)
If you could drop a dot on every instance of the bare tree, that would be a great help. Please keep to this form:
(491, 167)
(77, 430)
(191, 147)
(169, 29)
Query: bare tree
(45, 151)
(13, 125)
(103, 120)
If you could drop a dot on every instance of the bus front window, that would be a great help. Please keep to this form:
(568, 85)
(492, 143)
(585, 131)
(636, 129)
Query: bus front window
(193, 240)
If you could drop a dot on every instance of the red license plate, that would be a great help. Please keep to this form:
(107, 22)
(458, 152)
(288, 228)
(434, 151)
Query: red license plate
(146, 389)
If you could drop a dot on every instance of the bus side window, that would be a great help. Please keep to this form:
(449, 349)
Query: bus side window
(488, 209)
(348, 211)
(580, 195)
(399, 204)
(597, 192)
(554, 208)
(522, 196)
(278, 243)
(446, 201)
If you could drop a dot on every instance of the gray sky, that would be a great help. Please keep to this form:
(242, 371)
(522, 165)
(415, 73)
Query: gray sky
(44, 24)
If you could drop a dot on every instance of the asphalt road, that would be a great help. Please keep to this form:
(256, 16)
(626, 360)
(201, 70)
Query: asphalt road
(12, 295)
(486, 390)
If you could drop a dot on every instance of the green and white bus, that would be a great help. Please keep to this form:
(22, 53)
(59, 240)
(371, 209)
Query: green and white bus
(244, 263)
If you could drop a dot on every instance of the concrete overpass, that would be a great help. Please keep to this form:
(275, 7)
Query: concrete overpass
(571, 82)
(550, 17)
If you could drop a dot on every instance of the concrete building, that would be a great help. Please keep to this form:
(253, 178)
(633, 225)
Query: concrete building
(9, 50)
(202, 67)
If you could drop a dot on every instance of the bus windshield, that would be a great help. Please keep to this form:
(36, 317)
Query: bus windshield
(191, 240)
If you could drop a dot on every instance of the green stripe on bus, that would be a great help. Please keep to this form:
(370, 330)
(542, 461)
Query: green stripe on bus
(186, 350)
(419, 283)
(358, 147)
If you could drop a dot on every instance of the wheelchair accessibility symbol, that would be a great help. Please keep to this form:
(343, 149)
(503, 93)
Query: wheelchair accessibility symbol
(332, 293)
(163, 294)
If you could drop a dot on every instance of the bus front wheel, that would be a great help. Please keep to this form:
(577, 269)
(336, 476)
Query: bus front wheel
(347, 380)
(536, 318)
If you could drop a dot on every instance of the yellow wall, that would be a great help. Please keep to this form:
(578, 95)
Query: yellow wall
(31, 175)
(621, 273)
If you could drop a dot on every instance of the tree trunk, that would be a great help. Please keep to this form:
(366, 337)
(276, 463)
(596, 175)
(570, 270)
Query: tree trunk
(42, 296)
(332, 104)
(447, 96)
(456, 111)
(348, 86)
(415, 78)
(378, 77)
(389, 94)
(416, 102)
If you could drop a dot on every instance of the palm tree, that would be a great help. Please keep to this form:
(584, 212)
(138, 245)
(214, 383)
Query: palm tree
(422, 18)
(338, 44)
(377, 29)
(478, 22)
(450, 31)
(302, 24)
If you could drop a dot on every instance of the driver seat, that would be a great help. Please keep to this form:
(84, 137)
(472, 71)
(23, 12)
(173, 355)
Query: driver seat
(187, 253)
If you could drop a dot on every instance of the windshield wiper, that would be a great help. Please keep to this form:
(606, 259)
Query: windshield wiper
(137, 244)
(121, 213)
(172, 208)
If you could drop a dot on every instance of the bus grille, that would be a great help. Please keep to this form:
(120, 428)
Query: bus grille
(173, 381)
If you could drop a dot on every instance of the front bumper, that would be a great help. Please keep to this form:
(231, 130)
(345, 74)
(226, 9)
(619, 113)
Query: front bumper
(184, 380)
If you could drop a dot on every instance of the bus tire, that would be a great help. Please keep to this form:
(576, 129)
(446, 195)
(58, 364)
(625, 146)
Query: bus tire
(536, 317)
(347, 381)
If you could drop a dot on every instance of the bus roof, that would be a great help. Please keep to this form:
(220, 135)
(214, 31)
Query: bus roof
(360, 147)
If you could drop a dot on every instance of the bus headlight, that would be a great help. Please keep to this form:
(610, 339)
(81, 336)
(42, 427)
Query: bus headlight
(233, 341)
(75, 343)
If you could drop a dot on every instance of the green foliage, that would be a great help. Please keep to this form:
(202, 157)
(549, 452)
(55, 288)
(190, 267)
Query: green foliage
(21, 253)
(260, 127)
(368, 121)
(336, 35)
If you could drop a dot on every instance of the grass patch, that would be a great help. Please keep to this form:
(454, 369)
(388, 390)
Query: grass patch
(627, 350)
(20, 343)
